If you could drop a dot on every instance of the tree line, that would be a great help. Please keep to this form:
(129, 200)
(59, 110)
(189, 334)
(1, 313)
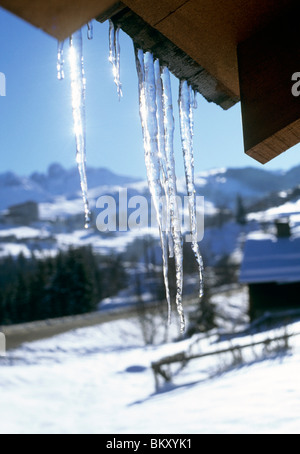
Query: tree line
(73, 282)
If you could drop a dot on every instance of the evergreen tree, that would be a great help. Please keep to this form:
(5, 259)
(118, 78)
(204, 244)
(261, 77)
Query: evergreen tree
(71, 283)
(241, 214)
(21, 299)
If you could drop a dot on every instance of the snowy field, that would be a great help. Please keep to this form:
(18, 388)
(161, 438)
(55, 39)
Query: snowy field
(99, 380)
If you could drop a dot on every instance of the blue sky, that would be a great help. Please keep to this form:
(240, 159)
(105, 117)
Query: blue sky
(36, 117)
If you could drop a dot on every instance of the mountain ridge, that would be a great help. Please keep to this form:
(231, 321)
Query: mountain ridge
(219, 186)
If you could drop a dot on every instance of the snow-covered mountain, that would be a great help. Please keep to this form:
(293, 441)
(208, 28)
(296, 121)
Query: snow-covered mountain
(61, 182)
(220, 187)
(15, 189)
(58, 195)
(57, 182)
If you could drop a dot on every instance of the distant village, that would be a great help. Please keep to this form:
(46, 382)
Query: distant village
(21, 214)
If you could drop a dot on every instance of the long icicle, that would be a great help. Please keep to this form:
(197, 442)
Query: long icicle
(90, 30)
(60, 60)
(187, 128)
(114, 55)
(78, 85)
(148, 114)
(165, 220)
(171, 178)
(162, 155)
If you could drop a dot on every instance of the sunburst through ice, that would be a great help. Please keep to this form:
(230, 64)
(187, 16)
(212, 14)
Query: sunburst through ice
(78, 86)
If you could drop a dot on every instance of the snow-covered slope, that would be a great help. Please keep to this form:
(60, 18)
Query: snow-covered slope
(99, 380)
(219, 187)
(61, 182)
(61, 208)
(223, 186)
(15, 190)
(56, 183)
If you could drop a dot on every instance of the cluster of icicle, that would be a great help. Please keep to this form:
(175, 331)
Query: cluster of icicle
(156, 112)
(114, 55)
(78, 89)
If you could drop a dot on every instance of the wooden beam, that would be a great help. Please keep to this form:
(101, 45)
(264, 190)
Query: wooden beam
(184, 357)
(58, 18)
(110, 12)
(210, 30)
(198, 41)
(179, 63)
(271, 112)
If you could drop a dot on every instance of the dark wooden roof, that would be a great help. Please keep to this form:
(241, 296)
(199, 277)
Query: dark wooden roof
(271, 259)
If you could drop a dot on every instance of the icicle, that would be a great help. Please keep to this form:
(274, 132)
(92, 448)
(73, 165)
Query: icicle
(172, 189)
(148, 114)
(78, 85)
(187, 127)
(114, 55)
(60, 60)
(90, 30)
(194, 99)
(160, 124)
(162, 152)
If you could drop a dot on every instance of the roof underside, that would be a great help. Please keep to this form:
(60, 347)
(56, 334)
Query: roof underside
(269, 260)
(230, 51)
(206, 31)
(210, 31)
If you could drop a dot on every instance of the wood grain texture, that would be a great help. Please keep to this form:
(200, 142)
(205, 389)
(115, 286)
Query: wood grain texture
(155, 11)
(179, 63)
(270, 112)
(209, 31)
(198, 40)
(58, 18)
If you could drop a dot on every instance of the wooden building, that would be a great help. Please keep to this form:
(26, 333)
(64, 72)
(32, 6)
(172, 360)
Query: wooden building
(271, 269)
(23, 214)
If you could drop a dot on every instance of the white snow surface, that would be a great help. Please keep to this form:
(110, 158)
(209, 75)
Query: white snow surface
(14, 250)
(289, 210)
(22, 232)
(98, 380)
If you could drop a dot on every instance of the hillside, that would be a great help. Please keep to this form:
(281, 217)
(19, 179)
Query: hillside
(60, 208)
(99, 381)
(219, 187)
(56, 183)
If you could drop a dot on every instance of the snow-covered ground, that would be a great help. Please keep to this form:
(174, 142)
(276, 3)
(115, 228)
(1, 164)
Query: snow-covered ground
(288, 210)
(99, 380)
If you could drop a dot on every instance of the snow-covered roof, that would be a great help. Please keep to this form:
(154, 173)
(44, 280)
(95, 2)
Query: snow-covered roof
(271, 259)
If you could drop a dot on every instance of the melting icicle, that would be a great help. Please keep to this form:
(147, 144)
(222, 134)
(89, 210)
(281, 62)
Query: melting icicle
(149, 119)
(187, 129)
(194, 98)
(114, 55)
(162, 153)
(90, 30)
(78, 84)
(156, 111)
(60, 60)
(172, 189)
